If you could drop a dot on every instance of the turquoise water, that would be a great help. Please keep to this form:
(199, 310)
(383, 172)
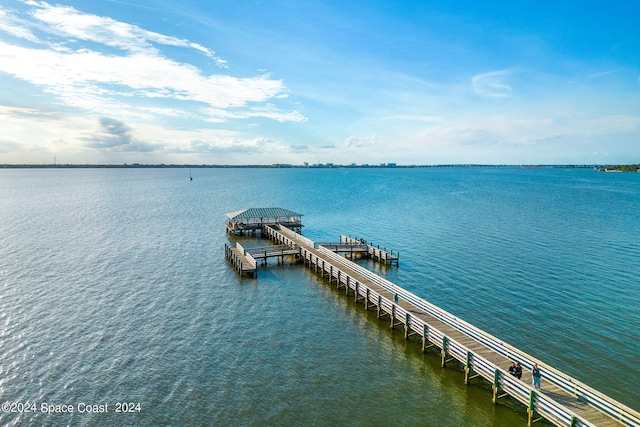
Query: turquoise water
(114, 289)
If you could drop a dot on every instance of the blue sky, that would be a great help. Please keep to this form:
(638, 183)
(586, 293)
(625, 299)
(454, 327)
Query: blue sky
(261, 82)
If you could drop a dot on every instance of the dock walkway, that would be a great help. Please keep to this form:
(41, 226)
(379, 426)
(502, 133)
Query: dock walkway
(563, 400)
(267, 252)
(241, 261)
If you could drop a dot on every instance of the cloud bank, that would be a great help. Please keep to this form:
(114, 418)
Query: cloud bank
(117, 73)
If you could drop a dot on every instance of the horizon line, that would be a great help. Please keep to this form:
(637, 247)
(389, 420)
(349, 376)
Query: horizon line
(303, 166)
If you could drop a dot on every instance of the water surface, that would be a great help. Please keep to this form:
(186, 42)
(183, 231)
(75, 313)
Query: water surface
(114, 288)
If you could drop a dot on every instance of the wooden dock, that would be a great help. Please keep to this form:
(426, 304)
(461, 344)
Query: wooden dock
(563, 400)
(241, 261)
(377, 254)
(278, 252)
(350, 246)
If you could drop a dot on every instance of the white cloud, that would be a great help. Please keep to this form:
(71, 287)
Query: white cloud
(492, 84)
(65, 21)
(32, 130)
(360, 141)
(486, 139)
(117, 83)
(609, 124)
(149, 76)
(94, 139)
(255, 149)
(102, 90)
(603, 73)
(15, 27)
(269, 111)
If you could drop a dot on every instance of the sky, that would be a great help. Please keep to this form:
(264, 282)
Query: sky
(318, 81)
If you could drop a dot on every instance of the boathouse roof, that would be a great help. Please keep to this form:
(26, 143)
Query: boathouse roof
(253, 213)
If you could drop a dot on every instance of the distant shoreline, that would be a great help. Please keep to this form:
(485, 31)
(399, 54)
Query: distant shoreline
(318, 166)
(619, 168)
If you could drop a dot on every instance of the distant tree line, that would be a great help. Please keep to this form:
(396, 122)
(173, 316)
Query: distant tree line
(621, 168)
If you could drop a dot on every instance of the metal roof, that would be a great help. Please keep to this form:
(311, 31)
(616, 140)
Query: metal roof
(252, 213)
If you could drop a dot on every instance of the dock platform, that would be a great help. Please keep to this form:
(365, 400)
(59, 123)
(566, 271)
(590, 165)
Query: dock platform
(350, 246)
(241, 261)
(374, 252)
(279, 252)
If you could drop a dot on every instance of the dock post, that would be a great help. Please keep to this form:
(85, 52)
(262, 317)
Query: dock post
(496, 387)
(407, 327)
(531, 408)
(425, 337)
(357, 289)
(379, 305)
(496, 384)
(443, 352)
(366, 300)
(393, 315)
(467, 368)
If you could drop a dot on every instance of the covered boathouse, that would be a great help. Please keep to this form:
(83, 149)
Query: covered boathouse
(252, 219)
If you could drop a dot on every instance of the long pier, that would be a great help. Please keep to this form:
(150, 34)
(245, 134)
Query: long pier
(562, 400)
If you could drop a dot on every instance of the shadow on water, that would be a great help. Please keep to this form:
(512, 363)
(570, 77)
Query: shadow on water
(473, 399)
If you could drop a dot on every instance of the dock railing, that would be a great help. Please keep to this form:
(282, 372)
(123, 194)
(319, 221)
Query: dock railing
(376, 253)
(494, 374)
